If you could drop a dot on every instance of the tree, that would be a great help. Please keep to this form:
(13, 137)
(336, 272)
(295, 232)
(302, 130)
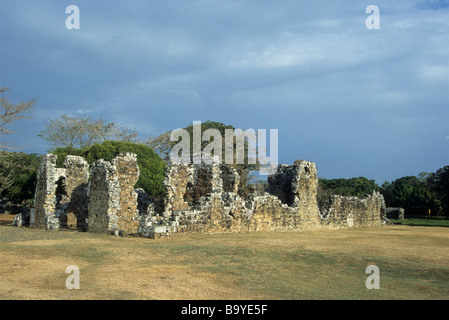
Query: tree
(18, 175)
(10, 113)
(81, 132)
(415, 195)
(439, 183)
(357, 187)
(162, 145)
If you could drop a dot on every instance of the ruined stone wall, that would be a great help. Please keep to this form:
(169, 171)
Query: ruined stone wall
(66, 197)
(204, 199)
(353, 212)
(199, 199)
(103, 193)
(44, 198)
(178, 179)
(113, 205)
(61, 192)
(297, 186)
(395, 213)
(128, 174)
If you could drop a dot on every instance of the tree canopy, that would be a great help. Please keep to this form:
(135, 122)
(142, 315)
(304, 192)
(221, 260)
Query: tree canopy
(18, 175)
(418, 195)
(163, 145)
(353, 187)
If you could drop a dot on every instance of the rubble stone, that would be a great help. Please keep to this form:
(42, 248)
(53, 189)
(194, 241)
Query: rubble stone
(395, 213)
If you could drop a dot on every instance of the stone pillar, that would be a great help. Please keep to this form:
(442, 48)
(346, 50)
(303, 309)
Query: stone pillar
(45, 195)
(112, 198)
(297, 186)
(104, 194)
(128, 174)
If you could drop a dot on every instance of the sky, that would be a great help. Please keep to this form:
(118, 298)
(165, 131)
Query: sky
(355, 100)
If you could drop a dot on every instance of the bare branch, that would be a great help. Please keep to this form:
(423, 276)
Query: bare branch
(80, 132)
(10, 113)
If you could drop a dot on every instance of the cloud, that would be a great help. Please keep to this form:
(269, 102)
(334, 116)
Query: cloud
(311, 69)
(435, 72)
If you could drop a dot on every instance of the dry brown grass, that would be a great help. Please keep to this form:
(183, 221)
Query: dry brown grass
(6, 219)
(290, 265)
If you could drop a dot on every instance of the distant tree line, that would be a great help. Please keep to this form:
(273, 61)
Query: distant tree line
(427, 194)
(357, 187)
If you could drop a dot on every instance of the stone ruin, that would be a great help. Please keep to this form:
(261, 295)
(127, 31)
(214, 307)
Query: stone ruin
(395, 213)
(61, 192)
(199, 199)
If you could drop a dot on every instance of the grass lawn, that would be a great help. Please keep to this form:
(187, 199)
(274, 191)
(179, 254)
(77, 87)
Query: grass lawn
(429, 222)
(413, 263)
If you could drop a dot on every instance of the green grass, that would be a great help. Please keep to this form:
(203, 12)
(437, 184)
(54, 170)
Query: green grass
(425, 222)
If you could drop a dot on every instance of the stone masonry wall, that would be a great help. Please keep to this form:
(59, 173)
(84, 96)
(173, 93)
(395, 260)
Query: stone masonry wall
(204, 199)
(44, 198)
(76, 179)
(199, 199)
(103, 193)
(395, 213)
(352, 212)
(128, 174)
(113, 203)
(61, 192)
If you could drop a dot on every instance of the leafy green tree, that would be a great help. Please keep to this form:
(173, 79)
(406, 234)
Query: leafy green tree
(162, 145)
(10, 166)
(244, 170)
(438, 182)
(18, 182)
(353, 187)
(415, 195)
(442, 187)
(66, 151)
(357, 187)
